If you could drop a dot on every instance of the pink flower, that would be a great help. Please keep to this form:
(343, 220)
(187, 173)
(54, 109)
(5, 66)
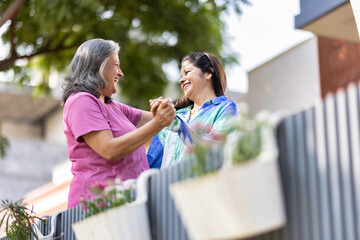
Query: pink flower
(101, 185)
(217, 136)
(207, 128)
(190, 149)
(197, 126)
(98, 187)
(101, 204)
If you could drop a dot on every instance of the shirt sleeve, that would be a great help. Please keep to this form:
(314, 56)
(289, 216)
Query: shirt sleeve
(155, 153)
(179, 125)
(133, 114)
(84, 116)
(224, 120)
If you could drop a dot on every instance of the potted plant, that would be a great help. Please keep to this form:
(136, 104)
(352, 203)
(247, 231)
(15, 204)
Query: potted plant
(17, 220)
(242, 199)
(111, 213)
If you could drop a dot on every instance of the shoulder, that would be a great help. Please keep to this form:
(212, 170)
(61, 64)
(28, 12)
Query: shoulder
(81, 100)
(226, 105)
(80, 96)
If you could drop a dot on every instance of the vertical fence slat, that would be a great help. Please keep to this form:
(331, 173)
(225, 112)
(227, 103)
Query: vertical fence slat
(334, 179)
(345, 166)
(312, 175)
(354, 129)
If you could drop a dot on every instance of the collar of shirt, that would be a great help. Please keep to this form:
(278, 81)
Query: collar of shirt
(214, 101)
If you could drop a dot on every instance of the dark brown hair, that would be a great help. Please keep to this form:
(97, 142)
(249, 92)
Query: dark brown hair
(207, 62)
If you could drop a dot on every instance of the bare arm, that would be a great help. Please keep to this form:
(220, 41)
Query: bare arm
(103, 142)
(145, 118)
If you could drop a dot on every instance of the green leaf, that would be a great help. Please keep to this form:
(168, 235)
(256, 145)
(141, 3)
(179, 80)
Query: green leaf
(52, 31)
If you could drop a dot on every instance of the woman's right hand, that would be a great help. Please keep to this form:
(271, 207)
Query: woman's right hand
(163, 112)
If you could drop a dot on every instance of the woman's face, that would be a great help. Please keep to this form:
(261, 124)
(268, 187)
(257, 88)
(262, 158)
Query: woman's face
(193, 81)
(112, 73)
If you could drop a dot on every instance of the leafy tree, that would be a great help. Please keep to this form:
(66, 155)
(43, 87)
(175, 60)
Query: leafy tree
(150, 32)
(44, 35)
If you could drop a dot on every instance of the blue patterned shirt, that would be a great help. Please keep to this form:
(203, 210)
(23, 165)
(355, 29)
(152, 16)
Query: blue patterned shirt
(169, 145)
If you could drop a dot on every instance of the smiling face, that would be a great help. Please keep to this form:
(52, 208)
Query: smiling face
(195, 84)
(111, 74)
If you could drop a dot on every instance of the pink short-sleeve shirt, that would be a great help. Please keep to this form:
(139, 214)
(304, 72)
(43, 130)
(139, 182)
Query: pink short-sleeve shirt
(84, 113)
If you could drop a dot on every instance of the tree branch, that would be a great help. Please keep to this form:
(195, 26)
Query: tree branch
(9, 62)
(11, 11)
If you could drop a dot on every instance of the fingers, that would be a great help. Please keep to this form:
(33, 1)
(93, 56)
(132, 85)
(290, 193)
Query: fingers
(154, 106)
(160, 104)
(165, 112)
(166, 103)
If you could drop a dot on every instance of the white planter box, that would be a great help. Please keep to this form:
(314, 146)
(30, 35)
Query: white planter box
(128, 222)
(236, 202)
(233, 203)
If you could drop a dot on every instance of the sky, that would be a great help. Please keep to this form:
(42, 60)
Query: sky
(263, 31)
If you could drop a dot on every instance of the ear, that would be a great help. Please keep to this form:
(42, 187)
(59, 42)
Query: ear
(208, 76)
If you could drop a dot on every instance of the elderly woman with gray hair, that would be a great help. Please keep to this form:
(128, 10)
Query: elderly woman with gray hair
(105, 138)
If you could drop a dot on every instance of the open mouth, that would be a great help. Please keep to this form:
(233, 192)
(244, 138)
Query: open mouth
(185, 86)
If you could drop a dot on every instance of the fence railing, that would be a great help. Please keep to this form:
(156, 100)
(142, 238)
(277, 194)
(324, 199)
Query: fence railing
(319, 158)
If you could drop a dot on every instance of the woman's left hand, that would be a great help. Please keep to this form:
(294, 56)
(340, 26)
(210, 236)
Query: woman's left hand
(155, 103)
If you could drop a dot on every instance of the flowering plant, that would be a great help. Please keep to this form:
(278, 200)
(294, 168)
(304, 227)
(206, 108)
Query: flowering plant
(243, 140)
(107, 195)
(247, 141)
(204, 142)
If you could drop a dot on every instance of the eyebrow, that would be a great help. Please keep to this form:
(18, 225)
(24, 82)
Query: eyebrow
(186, 68)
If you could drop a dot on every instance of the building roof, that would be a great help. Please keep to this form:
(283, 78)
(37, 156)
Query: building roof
(17, 104)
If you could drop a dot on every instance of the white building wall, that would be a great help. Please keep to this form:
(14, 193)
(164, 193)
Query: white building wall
(288, 82)
(54, 128)
(20, 130)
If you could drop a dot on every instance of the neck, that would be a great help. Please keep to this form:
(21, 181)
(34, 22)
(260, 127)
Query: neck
(102, 98)
(198, 102)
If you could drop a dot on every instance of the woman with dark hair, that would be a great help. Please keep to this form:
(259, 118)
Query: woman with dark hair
(203, 81)
(105, 138)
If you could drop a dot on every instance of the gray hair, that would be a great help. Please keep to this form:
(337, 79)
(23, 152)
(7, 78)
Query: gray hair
(85, 73)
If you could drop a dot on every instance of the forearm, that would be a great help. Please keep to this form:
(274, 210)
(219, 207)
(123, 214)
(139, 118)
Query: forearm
(145, 118)
(104, 143)
(122, 146)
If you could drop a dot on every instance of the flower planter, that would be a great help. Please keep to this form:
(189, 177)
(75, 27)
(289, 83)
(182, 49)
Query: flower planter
(236, 202)
(233, 203)
(128, 222)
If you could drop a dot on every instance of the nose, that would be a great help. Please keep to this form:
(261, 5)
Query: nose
(121, 74)
(182, 79)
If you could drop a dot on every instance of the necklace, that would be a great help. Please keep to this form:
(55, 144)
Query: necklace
(193, 111)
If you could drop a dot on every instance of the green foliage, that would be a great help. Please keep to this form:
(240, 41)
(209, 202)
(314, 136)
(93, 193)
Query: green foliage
(205, 149)
(247, 141)
(248, 146)
(4, 144)
(17, 219)
(150, 32)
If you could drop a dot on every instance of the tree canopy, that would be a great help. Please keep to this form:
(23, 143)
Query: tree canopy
(150, 33)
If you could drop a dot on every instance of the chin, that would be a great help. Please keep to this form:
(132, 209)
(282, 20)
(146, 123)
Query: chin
(188, 95)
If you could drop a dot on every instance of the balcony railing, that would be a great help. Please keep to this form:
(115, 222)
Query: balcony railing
(320, 167)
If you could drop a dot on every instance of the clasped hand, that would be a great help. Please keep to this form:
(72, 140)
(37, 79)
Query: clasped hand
(162, 110)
